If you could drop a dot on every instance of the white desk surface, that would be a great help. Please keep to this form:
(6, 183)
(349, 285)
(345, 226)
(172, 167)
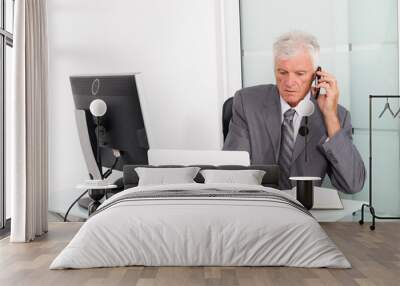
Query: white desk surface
(350, 206)
(94, 187)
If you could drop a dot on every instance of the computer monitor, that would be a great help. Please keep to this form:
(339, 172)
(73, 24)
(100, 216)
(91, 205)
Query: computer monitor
(124, 128)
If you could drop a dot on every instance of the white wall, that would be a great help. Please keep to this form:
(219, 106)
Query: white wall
(179, 47)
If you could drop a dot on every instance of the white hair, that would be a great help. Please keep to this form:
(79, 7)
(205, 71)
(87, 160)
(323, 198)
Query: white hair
(289, 44)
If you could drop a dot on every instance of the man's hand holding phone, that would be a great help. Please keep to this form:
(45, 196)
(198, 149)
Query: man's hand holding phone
(327, 102)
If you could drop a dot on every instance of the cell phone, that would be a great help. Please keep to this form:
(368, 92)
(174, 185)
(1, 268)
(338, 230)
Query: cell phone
(317, 78)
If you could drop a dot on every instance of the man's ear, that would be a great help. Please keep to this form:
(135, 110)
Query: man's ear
(314, 74)
(313, 90)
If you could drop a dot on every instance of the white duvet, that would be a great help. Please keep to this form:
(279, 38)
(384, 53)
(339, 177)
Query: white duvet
(200, 231)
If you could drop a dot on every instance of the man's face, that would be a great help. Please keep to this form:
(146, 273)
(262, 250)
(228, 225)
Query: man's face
(294, 76)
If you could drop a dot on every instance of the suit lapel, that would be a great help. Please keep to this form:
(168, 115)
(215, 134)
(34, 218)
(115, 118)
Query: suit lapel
(273, 122)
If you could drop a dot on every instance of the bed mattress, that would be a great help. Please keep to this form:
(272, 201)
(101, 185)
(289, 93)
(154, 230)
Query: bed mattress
(201, 225)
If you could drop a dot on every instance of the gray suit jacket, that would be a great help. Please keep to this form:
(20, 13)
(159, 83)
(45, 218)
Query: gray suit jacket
(256, 127)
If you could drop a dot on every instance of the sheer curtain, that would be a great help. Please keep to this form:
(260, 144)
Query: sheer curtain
(28, 159)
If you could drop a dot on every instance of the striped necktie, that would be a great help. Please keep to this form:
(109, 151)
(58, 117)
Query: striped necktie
(286, 150)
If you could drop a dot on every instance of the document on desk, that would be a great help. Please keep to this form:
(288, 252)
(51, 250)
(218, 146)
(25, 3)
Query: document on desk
(324, 198)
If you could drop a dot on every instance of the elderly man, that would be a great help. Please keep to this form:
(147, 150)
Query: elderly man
(266, 120)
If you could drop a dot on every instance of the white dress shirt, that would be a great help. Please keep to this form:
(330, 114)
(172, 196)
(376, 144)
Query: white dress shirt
(297, 117)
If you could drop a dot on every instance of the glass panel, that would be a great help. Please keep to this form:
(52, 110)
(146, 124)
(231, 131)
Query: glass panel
(361, 51)
(8, 82)
(262, 23)
(374, 60)
(377, 65)
(385, 169)
(9, 15)
(373, 21)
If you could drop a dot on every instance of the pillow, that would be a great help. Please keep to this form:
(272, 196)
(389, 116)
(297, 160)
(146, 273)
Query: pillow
(162, 176)
(248, 177)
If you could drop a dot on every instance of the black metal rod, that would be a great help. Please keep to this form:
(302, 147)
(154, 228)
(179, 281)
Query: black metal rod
(387, 217)
(70, 207)
(370, 150)
(384, 96)
(98, 148)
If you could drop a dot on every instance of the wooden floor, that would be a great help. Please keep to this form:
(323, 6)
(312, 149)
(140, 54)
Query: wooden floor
(375, 256)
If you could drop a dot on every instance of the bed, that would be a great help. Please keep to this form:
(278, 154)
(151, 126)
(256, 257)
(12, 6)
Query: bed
(201, 224)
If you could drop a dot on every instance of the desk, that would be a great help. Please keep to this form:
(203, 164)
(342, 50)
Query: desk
(60, 201)
(350, 206)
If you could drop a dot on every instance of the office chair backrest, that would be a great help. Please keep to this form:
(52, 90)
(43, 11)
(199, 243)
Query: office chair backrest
(226, 115)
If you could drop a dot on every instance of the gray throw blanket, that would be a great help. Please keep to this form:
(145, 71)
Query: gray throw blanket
(206, 194)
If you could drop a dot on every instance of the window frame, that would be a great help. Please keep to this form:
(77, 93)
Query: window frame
(6, 39)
